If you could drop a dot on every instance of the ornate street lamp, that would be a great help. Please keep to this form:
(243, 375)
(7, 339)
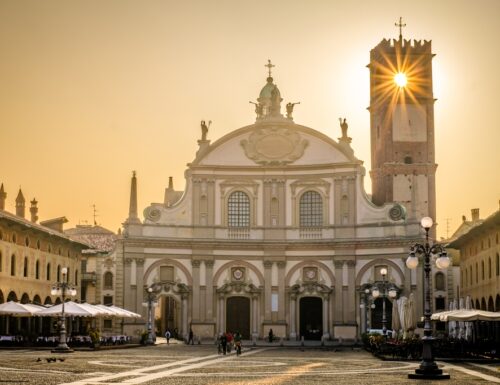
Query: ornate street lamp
(428, 368)
(150, 301)
(62, 289)
(365, 307)
(386, 290)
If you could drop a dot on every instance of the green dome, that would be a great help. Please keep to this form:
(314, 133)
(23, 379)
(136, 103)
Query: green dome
(267, 90)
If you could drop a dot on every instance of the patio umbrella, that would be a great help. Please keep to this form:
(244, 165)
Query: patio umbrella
(119, 312)
(19, 309)
(468, 325)
(461, 324)
(396, 322)
(452, 325)
(70, 309)
(410, 316)
(402, 309)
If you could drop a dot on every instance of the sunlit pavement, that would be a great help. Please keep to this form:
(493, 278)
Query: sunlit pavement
(200, 364)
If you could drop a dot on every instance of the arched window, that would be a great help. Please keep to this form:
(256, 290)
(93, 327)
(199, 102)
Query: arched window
(68, 275)
(439, 281)
(13, 265)
(489, 268)
(58, 273)
(311, 210)
(25, 268)
(238, 209)
(37, 270)
(498, 264)
(48, 272)
(1, 261)
(76, 277)
(108, 280)
(470, 275)
(477, 273)
(482, 270)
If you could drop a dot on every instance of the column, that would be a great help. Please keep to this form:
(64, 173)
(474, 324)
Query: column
(196, 289)
(255, 319)
(209, 291)
(139, 277)
(184, 320)
(293, 317)
(221, 314)
(127, 298)
(281, 291)
(267, 290)
(326, 333)
(338, 311)
(350, 311)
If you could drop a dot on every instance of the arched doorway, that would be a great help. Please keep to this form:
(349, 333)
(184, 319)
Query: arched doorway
(170, 316)
(311, 318)
(238, 315)
(378, 314)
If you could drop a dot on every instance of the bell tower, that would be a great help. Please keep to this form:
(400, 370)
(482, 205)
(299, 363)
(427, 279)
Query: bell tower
(402, 125)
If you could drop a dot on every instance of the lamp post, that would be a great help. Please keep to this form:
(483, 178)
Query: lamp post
(62, 289)
(150, 300)
(386, 290)
(364, 305)
(428, 368)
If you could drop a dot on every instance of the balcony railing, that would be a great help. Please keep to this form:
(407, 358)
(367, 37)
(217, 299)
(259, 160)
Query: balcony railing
(311, 233)
(238, 232)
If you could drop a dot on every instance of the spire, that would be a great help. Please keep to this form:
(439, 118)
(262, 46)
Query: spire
(170, 182)
(3, 195)
(34, 210)
(132, 212)
(20, 204)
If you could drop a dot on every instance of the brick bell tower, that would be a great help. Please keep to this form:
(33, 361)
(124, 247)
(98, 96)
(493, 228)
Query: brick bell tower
(402, 126)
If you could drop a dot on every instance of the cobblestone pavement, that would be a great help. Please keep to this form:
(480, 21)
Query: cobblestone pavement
(183, 365)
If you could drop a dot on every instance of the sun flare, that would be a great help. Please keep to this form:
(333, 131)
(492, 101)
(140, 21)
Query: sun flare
(400, 79)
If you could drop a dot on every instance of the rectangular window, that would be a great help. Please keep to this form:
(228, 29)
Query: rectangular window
(107, 300)
(108, 324)
(440, 304)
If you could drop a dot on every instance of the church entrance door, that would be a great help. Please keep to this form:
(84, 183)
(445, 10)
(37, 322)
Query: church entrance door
(170, 316)
(311, 318)
(238, 315)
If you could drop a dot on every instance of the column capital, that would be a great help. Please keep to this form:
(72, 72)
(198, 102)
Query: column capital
(128, 261)
(351, 263)
(139, 262)
(209, 264)
(338, 264)
(195, 262)
(281, 264)
(268, 264)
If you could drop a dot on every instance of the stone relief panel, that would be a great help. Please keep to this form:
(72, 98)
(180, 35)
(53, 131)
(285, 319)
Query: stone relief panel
(274, 146)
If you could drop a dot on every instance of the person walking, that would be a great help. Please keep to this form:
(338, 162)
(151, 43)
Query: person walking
(191, 337)
(237, 343)
(167, 336)
(223, 342)
(271, 335)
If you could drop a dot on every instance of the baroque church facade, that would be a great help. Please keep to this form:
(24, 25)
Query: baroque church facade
(274, 229)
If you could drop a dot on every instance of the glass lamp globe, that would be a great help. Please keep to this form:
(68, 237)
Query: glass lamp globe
(426, 222)
(383, 271)
(443, 262)
(412, 262)
(53, 291)
(367, 291)
(373, 306)
(64, 270)
(393, 293)
(150, 289)
(375, 293)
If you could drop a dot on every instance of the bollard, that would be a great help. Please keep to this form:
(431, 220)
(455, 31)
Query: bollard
(254, 340)
(199, 340)
(302, 341)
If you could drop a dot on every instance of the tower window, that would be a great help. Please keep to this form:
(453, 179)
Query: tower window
(408, 160)
(439, 281)
(311, 209)
(238, 210)
(108, 280)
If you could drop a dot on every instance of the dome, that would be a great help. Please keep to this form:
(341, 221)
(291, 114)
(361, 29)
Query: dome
(268, 89)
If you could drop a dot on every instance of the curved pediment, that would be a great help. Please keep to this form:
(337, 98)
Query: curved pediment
(278, 143)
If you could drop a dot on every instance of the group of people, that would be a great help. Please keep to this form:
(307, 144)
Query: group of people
(226, 342)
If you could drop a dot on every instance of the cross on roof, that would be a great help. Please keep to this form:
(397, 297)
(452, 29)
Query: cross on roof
(269, 66)
(400, 25)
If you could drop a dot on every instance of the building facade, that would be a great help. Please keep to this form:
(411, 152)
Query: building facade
(274, 229)
(31, 257)
(479, 250)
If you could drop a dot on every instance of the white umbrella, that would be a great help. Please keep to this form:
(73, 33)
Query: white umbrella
(70, 309)
(119, 312)
(410, 316)
(402, 311)
(19, 309)
(461, 324)
(396, 322)
(452, 325)
(468, 325)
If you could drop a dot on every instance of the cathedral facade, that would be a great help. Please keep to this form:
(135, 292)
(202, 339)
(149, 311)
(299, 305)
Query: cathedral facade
(274, 229)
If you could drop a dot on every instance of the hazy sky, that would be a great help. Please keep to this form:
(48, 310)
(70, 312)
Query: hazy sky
(91, 90)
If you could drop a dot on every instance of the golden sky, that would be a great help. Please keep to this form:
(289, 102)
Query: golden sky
(91, 90)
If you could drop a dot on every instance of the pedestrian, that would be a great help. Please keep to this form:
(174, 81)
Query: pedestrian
(191, 339)
(229, 337)
(167, 336)
(271, 335)
(223, 342)
(237, 343)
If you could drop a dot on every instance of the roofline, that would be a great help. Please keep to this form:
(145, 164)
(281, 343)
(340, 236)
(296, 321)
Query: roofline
(491, 221)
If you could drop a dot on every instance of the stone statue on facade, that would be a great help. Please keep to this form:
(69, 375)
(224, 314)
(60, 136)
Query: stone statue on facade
(289, 109)
(344, 126)
(204, 129)
(258, 109)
